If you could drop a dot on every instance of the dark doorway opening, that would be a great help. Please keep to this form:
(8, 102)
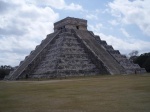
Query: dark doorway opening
(77, 27)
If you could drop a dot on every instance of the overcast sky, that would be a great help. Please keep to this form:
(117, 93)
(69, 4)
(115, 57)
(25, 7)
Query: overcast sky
(124, 24)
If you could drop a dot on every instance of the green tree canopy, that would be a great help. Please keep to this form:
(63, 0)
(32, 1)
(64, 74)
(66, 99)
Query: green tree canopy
(144, 61)
(4, 70)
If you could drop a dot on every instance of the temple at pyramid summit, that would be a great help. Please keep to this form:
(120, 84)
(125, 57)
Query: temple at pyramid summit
(72, 50)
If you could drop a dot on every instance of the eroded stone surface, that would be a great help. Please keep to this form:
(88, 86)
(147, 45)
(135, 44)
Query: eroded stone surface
(72, 50)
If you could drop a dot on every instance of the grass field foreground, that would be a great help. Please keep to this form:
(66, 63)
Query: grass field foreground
(130, 93)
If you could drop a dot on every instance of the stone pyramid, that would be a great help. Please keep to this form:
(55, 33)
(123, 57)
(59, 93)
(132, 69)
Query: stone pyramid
(72, 50)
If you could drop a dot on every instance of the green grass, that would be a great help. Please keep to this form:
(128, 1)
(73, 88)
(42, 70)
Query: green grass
(129, 93)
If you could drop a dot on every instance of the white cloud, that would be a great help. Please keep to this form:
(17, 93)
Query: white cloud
(73, 6)
(58, 4)
(113, 22)
(22, 27)
(132, 12)
(91, 16)
(124, 45)
(125, 32)
(24, 23)
(96, 28)
(14, 60)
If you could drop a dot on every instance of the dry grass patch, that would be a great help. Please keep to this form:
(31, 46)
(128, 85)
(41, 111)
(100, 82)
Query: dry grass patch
(90, 94)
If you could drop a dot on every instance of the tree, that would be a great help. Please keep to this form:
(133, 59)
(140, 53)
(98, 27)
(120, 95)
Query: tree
(146, 64)
(133, 53)
(143, 61)
(4, 70)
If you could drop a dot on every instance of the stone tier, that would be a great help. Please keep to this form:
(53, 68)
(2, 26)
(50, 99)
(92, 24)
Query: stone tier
(31, 61)
(72, 50)
(130, 67)
(99, 52)
(67, 57)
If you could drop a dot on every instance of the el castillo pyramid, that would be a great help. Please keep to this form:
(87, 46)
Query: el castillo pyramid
(72, 50)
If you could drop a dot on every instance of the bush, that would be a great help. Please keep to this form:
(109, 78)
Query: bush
(144, 61)
(4, 70)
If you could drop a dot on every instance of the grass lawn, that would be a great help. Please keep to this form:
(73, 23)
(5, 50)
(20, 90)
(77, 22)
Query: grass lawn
(130, 93)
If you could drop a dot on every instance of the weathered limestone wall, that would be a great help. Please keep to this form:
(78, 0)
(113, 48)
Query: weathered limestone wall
(72, 50)
(129, 66)
(65, 57)
(30, 62)
(71, 23)
(109, 62)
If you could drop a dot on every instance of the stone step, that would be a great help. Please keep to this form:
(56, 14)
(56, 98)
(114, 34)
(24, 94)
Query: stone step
(15, 74)
(109, 62)
(65, 58)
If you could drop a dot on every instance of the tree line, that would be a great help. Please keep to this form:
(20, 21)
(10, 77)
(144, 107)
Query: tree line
(143, 61)
(5, 70)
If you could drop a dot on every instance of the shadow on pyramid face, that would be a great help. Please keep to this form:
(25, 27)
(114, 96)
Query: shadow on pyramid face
(72, 50)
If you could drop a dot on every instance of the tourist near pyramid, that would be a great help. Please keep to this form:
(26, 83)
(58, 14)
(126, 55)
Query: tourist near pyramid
(72, 50)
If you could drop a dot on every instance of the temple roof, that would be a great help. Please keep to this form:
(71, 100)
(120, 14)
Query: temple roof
(71, 23)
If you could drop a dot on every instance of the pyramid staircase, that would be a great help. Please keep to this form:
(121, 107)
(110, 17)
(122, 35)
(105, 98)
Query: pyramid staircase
(65, 57)
(31, 61)
(112, 65)
(72, 50)
(128, 65)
